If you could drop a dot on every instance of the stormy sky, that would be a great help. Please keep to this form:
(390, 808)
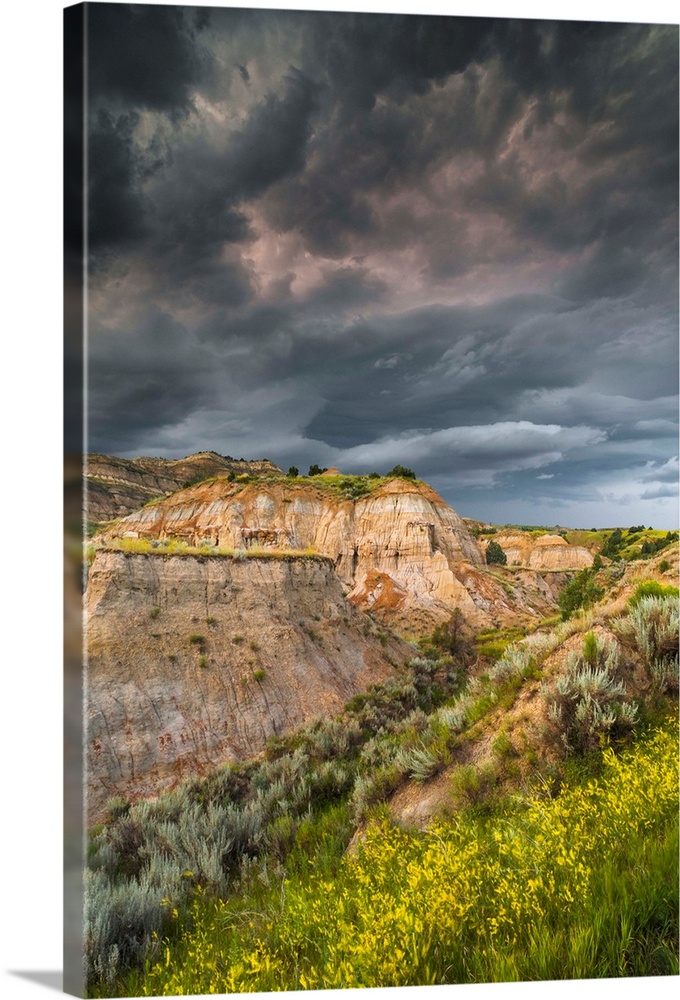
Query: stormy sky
(367, 239)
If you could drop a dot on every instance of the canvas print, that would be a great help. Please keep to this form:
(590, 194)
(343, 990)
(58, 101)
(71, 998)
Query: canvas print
(372, 358)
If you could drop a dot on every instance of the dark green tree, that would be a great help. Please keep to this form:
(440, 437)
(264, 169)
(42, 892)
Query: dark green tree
(495, 554)
(316, 470)
(293, 472)
(453, 637)
(613, 543)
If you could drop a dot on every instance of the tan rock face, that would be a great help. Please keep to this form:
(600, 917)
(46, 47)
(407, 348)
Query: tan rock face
(116, 486)
(403, 530)
(194, 661)
(546, 552)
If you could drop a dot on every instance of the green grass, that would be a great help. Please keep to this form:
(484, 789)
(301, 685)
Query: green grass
(651, 588)
(492, 643)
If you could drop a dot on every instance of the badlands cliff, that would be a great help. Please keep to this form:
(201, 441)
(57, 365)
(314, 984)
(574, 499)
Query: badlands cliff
(399, 548)
(197, 657)
(402, 531)
(193, 661)
(116, 486)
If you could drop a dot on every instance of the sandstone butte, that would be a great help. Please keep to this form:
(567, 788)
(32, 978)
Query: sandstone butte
(401, 550)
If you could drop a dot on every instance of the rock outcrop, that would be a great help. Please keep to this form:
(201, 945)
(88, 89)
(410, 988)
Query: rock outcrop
(402, 534)
(194, 661)
(116, 486)
(542, 552)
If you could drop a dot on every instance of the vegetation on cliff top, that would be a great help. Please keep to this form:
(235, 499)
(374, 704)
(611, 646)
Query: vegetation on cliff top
(175, 547)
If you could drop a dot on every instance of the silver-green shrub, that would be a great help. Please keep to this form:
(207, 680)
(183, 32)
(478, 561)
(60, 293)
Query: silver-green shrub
(422, 761)
(653, 624)
(587, 704)
(514, 661)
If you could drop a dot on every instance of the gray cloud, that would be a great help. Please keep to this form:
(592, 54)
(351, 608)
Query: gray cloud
(659, 492)
(361, 239)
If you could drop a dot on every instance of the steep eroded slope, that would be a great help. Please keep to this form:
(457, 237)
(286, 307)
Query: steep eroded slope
(193, 661)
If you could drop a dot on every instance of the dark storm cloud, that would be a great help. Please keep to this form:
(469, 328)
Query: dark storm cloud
(147, 374)
(365, 55)
(115, 203)
(193, 209)
(146, 57)
(273, 142)
(139, 58)
(361, 239)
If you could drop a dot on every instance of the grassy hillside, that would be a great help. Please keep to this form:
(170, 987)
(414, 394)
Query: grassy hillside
(580, 885)
(536, 763)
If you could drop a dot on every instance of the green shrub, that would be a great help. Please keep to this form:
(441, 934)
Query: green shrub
(653, 623)
(197, 640)
(116, 808)
(453, 637)
(651, 588)
(515, 662)
(502, 746)
(421, 762)
(259, 674)
(401, 472)
(154, 613)
(581, 592)
(371, 789)
(475, 787)
(590, 648)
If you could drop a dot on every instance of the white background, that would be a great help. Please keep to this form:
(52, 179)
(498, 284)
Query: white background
(31, 668)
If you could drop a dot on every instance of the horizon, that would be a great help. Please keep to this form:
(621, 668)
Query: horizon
(366, 239)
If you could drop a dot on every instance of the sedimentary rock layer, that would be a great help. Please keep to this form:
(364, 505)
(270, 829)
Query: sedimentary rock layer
(194, 661)
(116, 486)
(543, 552)
(402, 530)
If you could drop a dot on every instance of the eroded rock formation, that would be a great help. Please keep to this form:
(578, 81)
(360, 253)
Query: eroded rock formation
(116, 486)
(542, 552)
(194, 661)
(402, 531)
